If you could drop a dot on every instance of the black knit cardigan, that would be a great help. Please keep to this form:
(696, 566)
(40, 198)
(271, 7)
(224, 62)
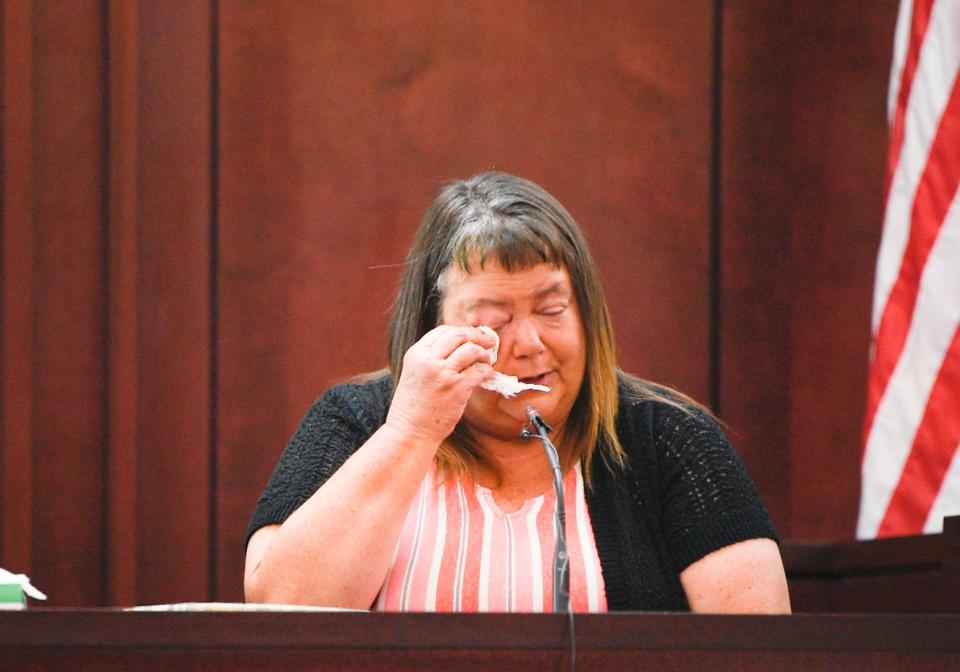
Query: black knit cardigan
(684, 494)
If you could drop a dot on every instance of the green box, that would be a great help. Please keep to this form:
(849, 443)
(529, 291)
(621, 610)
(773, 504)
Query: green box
(11, 596)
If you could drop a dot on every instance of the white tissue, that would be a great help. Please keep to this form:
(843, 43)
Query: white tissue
(9, 577)
(508, 386)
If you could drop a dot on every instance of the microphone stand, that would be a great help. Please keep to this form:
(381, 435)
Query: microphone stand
(561, 560)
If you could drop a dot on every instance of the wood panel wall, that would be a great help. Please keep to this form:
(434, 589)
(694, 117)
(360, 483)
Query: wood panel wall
(803, 147)
(205, 205)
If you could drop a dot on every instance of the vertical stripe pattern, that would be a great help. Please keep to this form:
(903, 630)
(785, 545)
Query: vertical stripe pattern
(458, 551)
(913, 393)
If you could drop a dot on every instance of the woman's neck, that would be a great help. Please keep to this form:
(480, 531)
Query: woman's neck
(524, 471)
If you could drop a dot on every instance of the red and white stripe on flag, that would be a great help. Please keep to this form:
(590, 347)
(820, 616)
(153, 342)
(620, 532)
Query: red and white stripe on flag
(910, 463)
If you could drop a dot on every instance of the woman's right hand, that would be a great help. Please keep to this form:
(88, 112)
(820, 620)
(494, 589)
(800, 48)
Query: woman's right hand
(322, 554)
(440, 372)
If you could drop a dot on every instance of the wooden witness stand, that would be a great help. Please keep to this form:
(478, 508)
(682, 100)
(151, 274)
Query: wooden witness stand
(112, 640)
(880, 605)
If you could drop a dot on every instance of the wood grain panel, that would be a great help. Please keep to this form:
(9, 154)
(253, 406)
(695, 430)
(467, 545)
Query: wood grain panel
(839, 154)
(754, 323)
(173, 398)
(339, 122)
(68, 382)
(259, 239)
(803, 142)
(16, 332)
(122, 242)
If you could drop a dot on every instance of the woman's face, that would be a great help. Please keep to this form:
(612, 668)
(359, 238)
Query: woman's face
(542, 340)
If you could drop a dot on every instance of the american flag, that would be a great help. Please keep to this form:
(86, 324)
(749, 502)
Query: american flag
(910, 464)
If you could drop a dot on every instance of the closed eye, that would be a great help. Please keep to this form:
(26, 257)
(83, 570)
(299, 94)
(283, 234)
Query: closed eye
(553, 310)
(495, 319)
(496, 325)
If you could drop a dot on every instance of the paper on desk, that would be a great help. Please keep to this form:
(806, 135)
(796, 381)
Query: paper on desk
(233, 606)
(23, 581)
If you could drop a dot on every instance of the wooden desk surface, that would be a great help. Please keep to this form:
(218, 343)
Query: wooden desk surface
(105, 639)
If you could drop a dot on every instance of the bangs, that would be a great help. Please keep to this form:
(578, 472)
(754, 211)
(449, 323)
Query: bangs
(514, 242)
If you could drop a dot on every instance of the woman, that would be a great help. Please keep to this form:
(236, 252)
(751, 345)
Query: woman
(415, 490)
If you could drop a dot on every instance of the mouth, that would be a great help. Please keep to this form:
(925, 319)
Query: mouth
(539, 379)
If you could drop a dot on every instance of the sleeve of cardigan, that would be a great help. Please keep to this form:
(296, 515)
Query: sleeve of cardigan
(332, 429)
(708, 499)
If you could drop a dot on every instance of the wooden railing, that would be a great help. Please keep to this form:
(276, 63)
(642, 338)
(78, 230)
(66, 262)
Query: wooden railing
(902, 575)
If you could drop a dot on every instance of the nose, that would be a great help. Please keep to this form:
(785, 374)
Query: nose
(526, 339)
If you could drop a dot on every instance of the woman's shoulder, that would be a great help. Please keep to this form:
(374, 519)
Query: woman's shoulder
(638, 395)
(370, 387)
(662, 416)
(363, 399)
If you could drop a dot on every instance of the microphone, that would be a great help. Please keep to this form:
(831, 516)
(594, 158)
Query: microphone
(536, 420)
(561, 560)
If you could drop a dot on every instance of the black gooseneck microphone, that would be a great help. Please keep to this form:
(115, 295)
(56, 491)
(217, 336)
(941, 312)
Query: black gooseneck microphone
(561, 560)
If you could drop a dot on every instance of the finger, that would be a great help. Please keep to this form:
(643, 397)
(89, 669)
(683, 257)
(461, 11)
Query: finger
(431, 337)
(478, 373)
(448, 341)
(442, 340)
(466, 355)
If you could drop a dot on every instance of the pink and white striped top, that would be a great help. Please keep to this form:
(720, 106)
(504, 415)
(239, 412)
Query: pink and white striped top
(458, 551)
